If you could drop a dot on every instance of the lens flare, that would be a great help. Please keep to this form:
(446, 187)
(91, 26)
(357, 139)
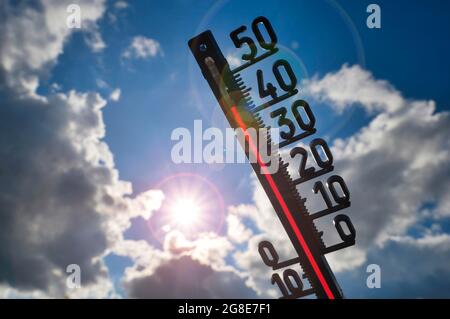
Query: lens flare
(186, 212)
(192, 205)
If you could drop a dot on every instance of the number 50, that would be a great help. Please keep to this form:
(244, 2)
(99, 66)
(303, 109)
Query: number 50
(239, 41)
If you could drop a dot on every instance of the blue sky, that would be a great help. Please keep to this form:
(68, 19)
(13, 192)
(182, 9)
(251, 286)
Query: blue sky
(408, 53)
(165, 90)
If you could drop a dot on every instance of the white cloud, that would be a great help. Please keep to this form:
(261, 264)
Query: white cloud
(233, 60)
(94, 40)
(102, 84)
(395, 164)
(237, 232)
(121, 5)
(354, 85)
(115, 95)
(55, 87)
(33, 37)
(142, 48)
(262, 218)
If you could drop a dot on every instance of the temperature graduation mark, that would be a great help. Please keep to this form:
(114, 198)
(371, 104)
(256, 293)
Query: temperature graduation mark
(236, 103)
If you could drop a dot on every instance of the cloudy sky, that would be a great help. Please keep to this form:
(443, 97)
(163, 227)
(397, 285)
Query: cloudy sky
(86, 171)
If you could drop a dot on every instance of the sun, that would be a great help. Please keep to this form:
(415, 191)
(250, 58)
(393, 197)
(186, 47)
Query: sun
(185, 212)
(192, 205)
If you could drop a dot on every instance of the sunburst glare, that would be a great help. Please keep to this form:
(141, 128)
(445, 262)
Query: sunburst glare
(186, 212)
(192, 205)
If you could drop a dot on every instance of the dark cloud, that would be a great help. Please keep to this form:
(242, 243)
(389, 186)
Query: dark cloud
(61, 200)
(48, 191)
(410, 268)
(187, 278)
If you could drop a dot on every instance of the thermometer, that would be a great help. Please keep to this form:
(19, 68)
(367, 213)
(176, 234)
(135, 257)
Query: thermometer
(242, 114)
